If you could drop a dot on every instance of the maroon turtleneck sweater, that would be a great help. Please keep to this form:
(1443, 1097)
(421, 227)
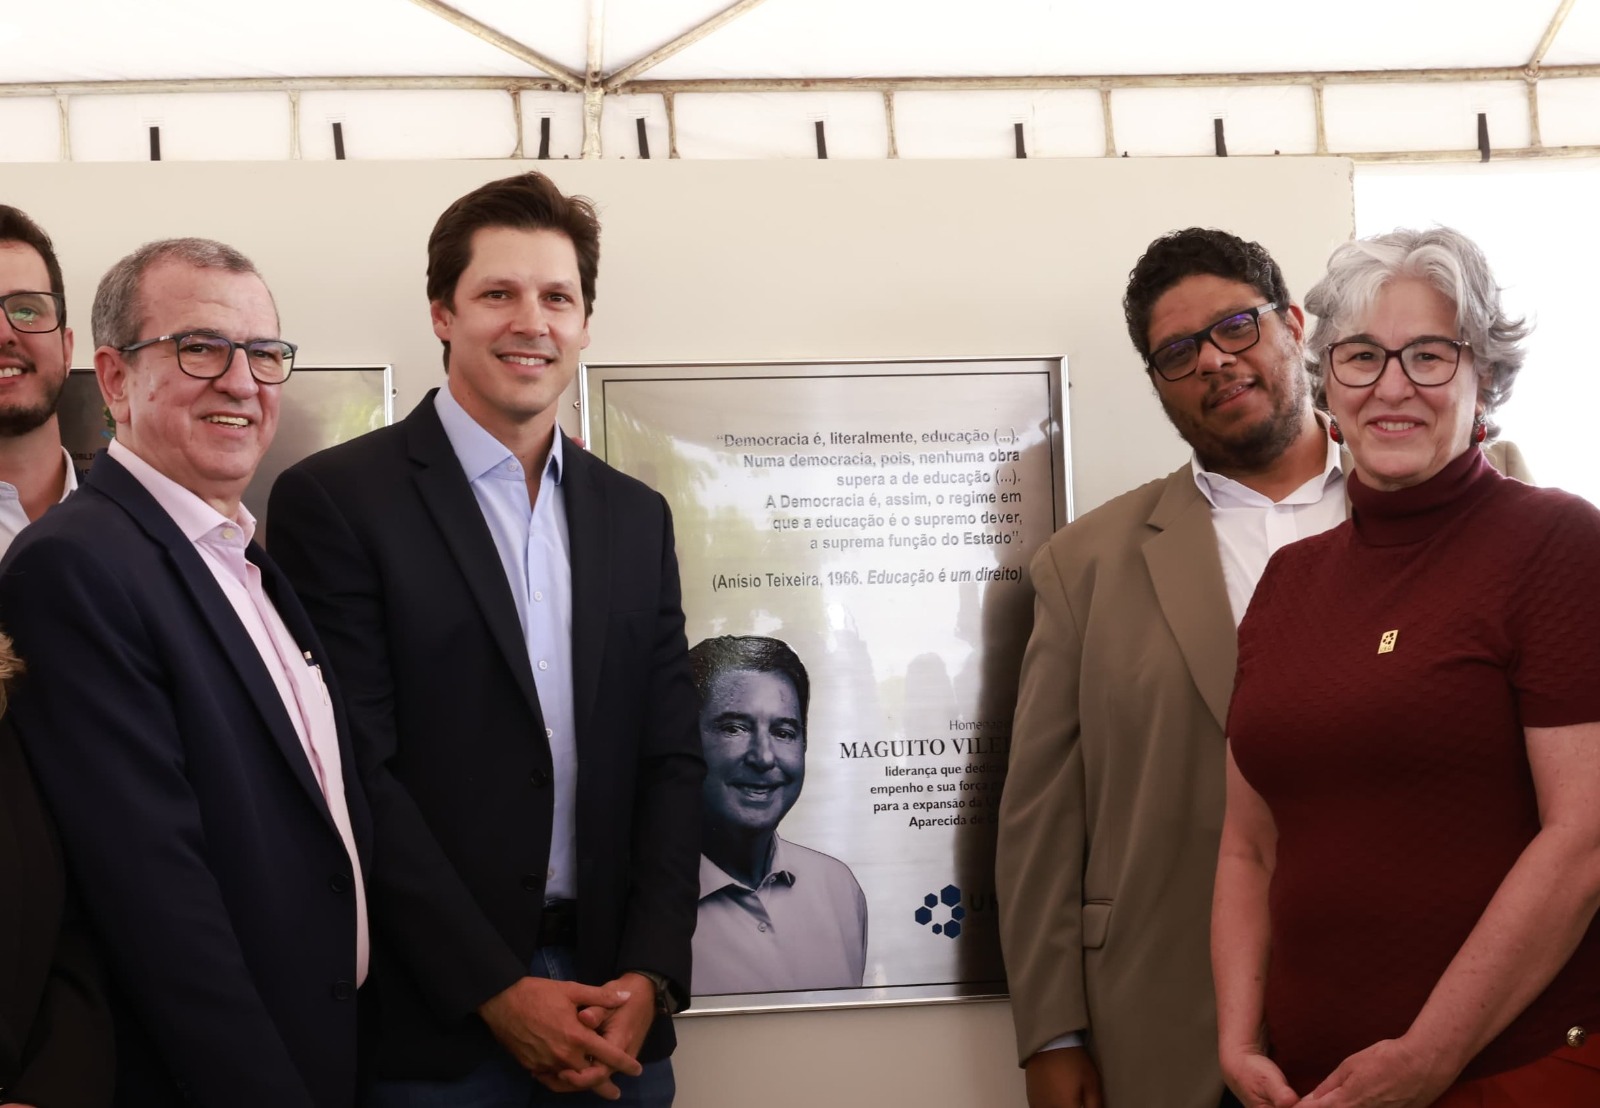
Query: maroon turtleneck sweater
(1398, 778)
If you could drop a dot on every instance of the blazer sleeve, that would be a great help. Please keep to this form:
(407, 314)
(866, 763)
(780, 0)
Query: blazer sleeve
(95, 715)
(421, 906)
(1043, 830)
(665, 881)
(68, 1061)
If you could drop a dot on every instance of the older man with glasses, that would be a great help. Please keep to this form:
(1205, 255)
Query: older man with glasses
(181, 727)
(1113, 803)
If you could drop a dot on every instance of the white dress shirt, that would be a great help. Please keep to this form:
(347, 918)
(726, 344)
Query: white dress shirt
(13, 519)
(1251, 528)
(536, 557)
(221, 544)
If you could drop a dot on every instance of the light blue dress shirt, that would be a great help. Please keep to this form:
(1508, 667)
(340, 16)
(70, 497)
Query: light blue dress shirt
(536, 554)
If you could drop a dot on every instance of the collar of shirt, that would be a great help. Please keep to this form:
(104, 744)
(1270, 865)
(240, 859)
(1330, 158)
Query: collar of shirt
(479, 452)
(713, 878)
(8, 491)
(194, 517)
(69, 486)
(1225, 492)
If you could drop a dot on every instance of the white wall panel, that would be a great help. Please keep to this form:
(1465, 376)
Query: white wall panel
(564, 110)
(472, 124)
(232, 127)
(1569, 112)
(1424, 117)
(781, 125)
(1055, 124)
(1165, 121)
(30, 130)
(619, 126)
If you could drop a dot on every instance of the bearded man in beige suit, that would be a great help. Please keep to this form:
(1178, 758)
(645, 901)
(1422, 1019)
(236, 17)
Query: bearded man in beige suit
(1114, 798)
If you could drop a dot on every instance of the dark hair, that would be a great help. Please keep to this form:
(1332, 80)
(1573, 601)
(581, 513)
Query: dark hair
(15, 226)
(529, 201)
(755, 653)
(1192, 252)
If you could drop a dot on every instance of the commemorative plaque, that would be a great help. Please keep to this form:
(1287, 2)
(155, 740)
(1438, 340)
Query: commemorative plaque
(853, 541)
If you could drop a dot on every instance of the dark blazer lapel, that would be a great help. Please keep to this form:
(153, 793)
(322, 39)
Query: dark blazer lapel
(1187, 573)
(294, 617)
(589, 531)
(116, 483)
(448, 497)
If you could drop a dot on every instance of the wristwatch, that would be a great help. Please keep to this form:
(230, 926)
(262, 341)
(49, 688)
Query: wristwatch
(665, 1004)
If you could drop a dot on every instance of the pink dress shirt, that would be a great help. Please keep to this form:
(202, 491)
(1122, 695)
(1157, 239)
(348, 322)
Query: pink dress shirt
(221, 544)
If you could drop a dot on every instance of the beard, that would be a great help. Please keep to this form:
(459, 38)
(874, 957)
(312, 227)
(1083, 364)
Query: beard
(1252, 447)
(19, 420)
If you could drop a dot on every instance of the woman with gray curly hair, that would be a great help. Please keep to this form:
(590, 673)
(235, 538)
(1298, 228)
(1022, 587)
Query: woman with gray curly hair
(1410, 866)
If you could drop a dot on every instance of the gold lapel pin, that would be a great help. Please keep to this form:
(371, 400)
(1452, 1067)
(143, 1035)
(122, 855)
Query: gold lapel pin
(1386, 644)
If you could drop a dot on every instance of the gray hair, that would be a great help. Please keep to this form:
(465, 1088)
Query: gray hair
(1451, 263)
(116, 318)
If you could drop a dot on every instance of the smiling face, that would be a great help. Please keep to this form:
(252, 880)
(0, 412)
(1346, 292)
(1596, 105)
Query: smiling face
(1239, 412)
(33, 367)
(1401, 434)
(208, 436)
(516, 328)
(755, 749)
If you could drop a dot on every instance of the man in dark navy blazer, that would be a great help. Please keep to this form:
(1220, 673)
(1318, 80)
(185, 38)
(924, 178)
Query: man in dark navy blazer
(503, 611)
(179, 727)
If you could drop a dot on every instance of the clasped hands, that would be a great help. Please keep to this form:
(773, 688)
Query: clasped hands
(572, 1036)
(1388, 1074)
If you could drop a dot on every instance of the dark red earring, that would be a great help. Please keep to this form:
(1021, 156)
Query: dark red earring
(1480, 428)
(1333, 431)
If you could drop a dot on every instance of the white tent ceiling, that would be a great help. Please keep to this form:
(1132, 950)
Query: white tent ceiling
(957, 78)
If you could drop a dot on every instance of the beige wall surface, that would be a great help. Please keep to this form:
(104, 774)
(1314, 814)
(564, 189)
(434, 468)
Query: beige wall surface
(708, 261)
(731, 261)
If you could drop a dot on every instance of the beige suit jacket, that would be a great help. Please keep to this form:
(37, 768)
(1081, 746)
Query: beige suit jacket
(1113, 801)
(1114, 798)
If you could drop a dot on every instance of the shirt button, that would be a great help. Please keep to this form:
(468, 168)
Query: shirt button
(344, 990)
(543, 664)
(537, 595)
(549, 732)
(761, 927)
(227, 532)
(550, 874)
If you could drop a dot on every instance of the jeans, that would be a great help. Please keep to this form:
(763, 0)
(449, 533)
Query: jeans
(501, 1083)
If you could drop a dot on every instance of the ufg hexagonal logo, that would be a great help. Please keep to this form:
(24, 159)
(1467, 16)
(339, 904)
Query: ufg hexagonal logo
(942, 912)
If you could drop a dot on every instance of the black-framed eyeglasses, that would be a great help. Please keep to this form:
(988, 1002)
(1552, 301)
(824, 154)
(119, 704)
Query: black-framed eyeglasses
(1233, 335)
(207, 356)
(1427, 363)
(33, 313)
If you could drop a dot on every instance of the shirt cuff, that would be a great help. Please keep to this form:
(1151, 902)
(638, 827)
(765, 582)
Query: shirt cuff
(1070, 1039)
